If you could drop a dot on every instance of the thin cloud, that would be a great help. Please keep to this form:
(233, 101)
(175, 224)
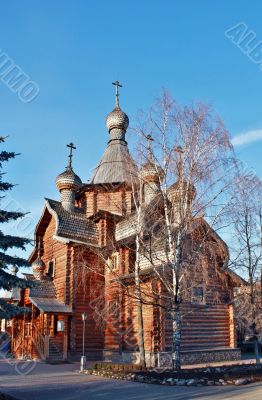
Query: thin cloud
(248, 137)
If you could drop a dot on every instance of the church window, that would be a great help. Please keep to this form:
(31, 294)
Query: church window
(51, 269)
(27, 329)
(60, 326)
(197, 294)
(114, 261)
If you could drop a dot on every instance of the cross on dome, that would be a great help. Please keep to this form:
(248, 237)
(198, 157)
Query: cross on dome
(149, 147)
(71, 147)
(117, 85)
(180, 171)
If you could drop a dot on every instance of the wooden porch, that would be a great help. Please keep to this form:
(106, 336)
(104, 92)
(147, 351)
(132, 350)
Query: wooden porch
(40, 335)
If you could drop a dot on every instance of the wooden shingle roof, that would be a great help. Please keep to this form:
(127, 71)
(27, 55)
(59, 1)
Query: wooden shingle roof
(43, 288)
(116, 165)
(43, 296)
(50, 305)
(73, 225)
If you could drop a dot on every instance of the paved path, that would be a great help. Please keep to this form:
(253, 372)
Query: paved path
(62, 382)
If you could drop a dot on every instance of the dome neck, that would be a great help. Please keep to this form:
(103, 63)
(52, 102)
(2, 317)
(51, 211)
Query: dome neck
(117, 134)
(67, 199)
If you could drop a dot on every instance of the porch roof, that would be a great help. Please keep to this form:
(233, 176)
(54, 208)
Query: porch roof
(50, 305)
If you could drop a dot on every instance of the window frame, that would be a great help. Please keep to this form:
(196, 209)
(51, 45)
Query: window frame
(114, 266)
(194, 298)
(54, 268)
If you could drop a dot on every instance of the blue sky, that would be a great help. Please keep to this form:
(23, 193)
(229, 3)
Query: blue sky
(73, 50)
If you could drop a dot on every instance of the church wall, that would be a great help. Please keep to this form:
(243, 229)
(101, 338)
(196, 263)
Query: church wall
(116, 200)
(55, 252)
(206, 271)
(152, 321)
(87, 296)
(110, 201)
(204, 323)
(121, 331)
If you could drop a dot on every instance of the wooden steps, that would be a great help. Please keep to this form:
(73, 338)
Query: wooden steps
(55, 353)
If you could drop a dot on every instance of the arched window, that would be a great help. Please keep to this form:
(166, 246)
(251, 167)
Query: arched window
(51, 269)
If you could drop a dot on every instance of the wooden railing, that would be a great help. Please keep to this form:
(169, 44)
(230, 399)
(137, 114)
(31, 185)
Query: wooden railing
(41, 342)
(17, 342)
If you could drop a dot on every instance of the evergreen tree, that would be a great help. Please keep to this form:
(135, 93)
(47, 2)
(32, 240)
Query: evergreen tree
(7, 242)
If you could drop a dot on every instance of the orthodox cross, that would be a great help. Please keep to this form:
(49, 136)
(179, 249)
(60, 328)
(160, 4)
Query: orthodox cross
(117, 85)
(180, 152)
(71, 147)
(149, 147)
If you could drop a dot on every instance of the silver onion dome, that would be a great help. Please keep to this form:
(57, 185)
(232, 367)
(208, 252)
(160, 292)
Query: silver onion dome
(68, 179)
(117, 119)
(38, 264)
(181, 188)
(38, 268)
(151, 170)
(14, 269)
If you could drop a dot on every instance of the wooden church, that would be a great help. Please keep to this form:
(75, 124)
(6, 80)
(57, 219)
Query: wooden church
(83, 268)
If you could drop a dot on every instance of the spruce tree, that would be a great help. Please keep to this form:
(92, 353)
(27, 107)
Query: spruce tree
(8, 242)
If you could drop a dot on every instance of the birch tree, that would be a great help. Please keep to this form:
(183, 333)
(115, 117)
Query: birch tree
(192, 147)
(246, 217)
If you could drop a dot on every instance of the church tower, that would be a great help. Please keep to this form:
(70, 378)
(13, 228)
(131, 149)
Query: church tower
(67, 183)
(151, 174)
(116, 165)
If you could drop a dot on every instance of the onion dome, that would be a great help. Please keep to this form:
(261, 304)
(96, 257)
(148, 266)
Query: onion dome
(67, 183)
(14, 270)
(68, 180)
(117, 119)
(151, 171)
(181, 188)
(38, 265)
(151, 174)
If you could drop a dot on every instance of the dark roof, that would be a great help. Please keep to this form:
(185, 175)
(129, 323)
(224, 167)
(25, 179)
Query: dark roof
(126, 228)
(43, 296)
(43, 288)
(73, 225)
(50, 305)
(237, 279)
(116, 165)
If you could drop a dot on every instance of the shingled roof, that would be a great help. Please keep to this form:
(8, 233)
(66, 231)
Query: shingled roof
(126, 228)
(116, 165)
(43, 288)
(73, 225)
(51, 305)
(43, 296)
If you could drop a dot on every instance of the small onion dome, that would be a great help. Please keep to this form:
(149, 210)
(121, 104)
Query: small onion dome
(38, 268)
(68, 180)
(151, 172)
(14, 269)
(117, 119)
(176, 190)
